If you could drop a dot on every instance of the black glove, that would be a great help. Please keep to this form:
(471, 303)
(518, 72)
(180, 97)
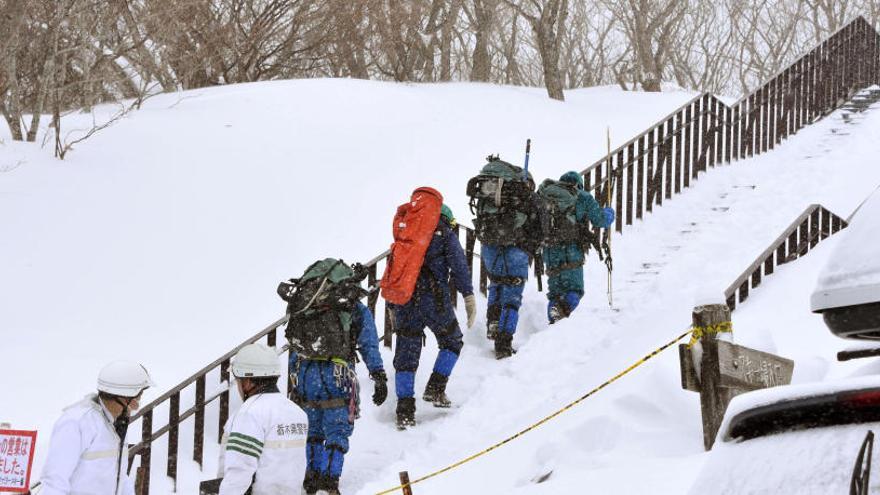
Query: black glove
(380, 386)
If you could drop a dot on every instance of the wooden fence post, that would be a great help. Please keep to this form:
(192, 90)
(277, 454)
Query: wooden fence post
(404, 480)
(713, 398)
(725, 369)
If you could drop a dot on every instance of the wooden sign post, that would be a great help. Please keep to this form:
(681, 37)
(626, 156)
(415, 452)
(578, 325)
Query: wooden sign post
(720, 370)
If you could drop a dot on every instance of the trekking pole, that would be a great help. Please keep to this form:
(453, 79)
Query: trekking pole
(609, 187)
(526, 167)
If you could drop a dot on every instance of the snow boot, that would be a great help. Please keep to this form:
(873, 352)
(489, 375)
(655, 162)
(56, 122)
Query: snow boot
(435, 391)
(554, 314)
(406, 412)
(328, 485)
(493, 314)
(504, 345)
(492, 330)
(310, 483)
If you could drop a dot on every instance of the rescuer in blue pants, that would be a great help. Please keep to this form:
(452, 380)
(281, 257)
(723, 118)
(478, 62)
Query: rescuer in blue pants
(508, 268)
(327, 391)
(431, 306)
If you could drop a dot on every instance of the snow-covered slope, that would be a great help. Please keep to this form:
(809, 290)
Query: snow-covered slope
(162, 239)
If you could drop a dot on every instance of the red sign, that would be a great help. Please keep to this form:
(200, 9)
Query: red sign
(16, 459)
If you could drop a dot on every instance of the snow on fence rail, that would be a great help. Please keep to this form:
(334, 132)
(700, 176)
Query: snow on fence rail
(648, 168)
(705, 131)
(815, 224)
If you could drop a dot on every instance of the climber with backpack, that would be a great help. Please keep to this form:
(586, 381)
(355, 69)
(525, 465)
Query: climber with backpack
(508, 225)
(426, 262)
(568, 212)
(327, 326)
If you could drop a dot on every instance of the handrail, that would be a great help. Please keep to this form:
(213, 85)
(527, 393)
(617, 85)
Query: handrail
(209, 368)
(804, 55)
(705, 131)
(650, 129)
(814, 225)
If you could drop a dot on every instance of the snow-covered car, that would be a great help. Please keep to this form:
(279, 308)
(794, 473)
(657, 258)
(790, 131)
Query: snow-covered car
(800, 439)
(848, 291)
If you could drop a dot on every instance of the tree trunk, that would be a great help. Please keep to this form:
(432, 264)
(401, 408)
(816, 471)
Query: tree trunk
(48, 74)
(484, 13)
(547, 30)
(11, 21)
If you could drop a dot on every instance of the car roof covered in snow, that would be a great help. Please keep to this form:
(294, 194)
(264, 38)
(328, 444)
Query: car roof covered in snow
(852, 275)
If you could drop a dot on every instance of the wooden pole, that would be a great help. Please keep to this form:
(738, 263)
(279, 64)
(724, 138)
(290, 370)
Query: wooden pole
(608, 203)
(404, 480)
(713, 398)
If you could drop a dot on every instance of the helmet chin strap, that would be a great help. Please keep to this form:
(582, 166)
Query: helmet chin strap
(257, 389)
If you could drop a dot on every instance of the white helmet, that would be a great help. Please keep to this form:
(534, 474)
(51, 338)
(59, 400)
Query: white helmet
(255, 360)
(124, 378)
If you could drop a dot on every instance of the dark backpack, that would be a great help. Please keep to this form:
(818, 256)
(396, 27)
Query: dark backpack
(321, 305)
(559, 203)
(501, 198)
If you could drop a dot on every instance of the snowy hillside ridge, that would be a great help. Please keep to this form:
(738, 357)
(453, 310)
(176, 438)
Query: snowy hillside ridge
(162, 238)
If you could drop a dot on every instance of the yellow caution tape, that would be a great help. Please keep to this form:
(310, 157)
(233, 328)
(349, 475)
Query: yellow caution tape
(700, 332)
(541, 422)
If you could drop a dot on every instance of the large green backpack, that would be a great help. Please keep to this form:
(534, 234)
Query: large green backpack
(320, 305)
(501, 199)
(559, 202)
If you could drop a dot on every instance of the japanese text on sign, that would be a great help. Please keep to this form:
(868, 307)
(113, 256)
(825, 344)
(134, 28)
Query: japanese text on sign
(16, 458)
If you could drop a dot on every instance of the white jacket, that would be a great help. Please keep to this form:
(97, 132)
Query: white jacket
(264, 444)
(84, 456)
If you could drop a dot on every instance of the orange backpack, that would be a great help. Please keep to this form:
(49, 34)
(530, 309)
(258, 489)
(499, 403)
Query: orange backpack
(413, 228)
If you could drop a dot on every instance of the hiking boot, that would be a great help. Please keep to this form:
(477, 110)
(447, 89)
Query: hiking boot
(435, 391)
(554, 314)
(492, 330)
(328, 485)
(406, 412)
(310, 483)
(504, 345)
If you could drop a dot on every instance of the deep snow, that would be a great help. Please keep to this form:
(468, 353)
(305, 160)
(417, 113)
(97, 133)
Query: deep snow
(162, 239)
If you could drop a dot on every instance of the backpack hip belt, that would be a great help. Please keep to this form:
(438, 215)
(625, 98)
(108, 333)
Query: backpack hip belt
(506, 280)
(556, 270)
(326, 404)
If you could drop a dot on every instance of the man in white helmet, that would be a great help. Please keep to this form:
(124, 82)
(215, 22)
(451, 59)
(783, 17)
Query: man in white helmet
(263, 446)
(87, 450)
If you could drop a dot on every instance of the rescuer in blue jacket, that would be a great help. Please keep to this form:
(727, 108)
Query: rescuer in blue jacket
(431, 306)
(565, 261)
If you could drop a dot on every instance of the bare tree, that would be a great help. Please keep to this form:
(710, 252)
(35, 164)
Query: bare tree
(651, 26)
(12, 23)
(589, 45)
(704, 56)
(827, 16)
(547, 20)
(481, 15)
(767, 36)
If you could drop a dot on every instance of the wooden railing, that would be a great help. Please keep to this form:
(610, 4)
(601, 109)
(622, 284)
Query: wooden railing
(646, 170)
(812, 226)
(706, 132)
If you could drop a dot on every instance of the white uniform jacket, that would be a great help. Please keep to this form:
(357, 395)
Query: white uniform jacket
(264, 445)
(84, 456)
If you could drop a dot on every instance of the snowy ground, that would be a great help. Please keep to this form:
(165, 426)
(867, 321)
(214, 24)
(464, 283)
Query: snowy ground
(162, 239)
